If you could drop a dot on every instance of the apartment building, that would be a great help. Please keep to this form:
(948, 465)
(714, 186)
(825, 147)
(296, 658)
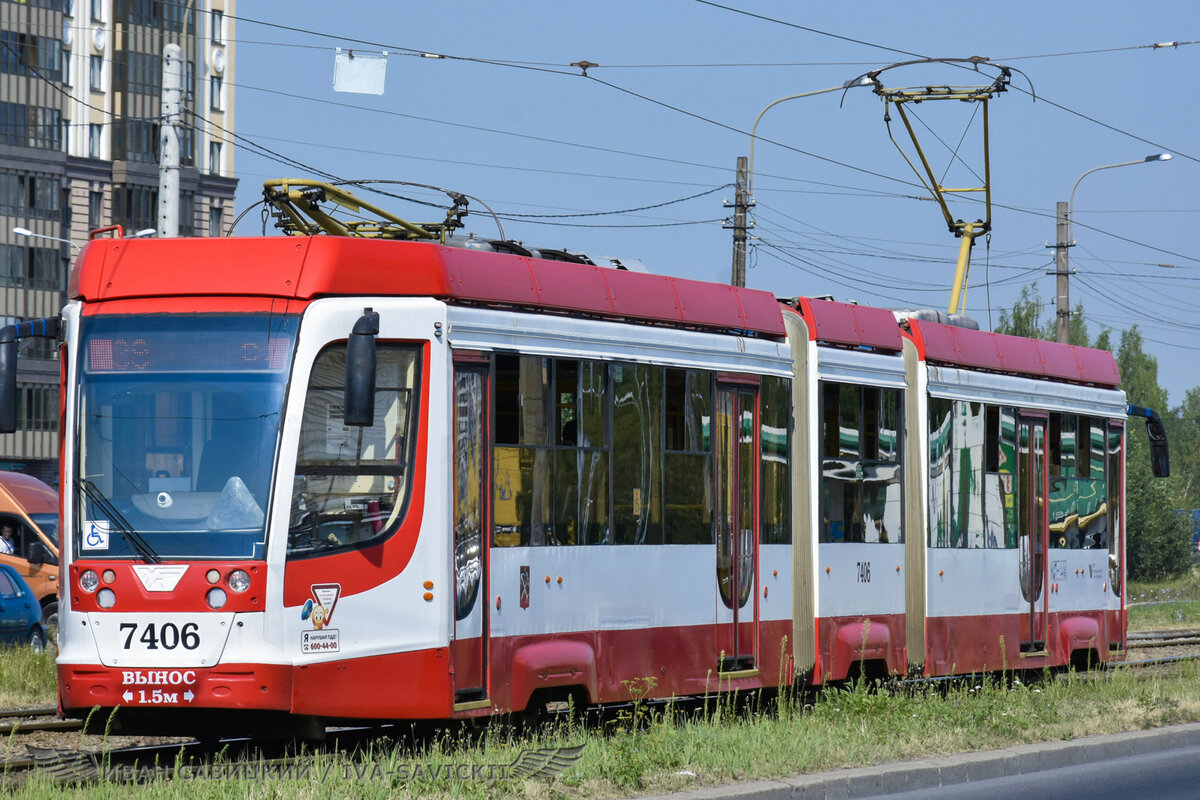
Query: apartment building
(80, 99)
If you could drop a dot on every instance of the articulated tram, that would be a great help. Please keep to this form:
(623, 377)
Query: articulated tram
(311, 479)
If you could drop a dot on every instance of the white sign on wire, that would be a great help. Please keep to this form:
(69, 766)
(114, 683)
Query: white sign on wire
(359, 72)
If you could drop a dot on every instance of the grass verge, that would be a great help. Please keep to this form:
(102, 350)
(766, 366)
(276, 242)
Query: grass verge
(643, 751)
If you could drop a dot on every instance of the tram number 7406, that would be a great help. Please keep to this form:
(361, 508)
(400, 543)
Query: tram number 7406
(168, 635)
(864, 571)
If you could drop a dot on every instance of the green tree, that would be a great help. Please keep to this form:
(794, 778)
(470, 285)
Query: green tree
(1183, 431)
(1025, 318)
(1158, 540)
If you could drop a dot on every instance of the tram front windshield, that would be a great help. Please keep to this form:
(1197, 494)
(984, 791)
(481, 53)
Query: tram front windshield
(178, 419)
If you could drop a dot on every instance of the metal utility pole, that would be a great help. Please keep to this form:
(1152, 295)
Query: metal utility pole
(168, 170)
(1062, 301)
(741, 203)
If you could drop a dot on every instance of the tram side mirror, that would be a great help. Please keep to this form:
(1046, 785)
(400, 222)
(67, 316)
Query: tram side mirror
(359, 401)
(1160, 454)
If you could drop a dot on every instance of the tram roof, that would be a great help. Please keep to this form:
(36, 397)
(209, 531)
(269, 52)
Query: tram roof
(849, 324)
(306, 268)
(996, 352)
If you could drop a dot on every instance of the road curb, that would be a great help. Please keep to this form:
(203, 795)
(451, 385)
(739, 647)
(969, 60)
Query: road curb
(931, 773)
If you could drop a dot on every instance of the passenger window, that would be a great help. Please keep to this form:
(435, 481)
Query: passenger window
(861, 491)
(688, 460)
(637, 454)
(352, 483)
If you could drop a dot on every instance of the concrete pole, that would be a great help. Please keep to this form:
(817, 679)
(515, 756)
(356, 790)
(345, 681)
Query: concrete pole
(168, 170)
(738, 277)
(1062, 269)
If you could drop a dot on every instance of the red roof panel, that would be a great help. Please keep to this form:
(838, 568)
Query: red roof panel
(963, 347)
(845, 323)
(310, 267)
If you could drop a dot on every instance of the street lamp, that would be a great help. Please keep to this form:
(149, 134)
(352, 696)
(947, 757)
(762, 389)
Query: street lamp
(745, 179)
(31, 234)
(1066, 239)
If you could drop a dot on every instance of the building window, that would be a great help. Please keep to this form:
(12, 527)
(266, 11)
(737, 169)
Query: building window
(97, 10)
(187, 213)
(96, 73)
(95, 209)
(216, 92)
(135, 140)
(135, 207)
(31, 126)
(94, 133)
(214, 158)
(218, 27)
(216, 222)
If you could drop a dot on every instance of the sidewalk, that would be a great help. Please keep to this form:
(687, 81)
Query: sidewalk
(929, 773)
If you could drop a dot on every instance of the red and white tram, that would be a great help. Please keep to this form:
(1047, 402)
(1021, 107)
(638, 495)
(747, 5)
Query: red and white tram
(326, 478)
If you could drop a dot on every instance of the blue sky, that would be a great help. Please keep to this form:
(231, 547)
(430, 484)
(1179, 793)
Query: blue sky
(664, 117)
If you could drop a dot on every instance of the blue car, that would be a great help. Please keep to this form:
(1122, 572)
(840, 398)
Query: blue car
(20, 612)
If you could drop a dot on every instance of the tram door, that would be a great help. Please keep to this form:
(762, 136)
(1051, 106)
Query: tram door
(469, 650)
(737, 525)
(1033, 528)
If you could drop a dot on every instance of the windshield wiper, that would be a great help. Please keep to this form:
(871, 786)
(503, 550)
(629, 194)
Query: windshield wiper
(116, 518)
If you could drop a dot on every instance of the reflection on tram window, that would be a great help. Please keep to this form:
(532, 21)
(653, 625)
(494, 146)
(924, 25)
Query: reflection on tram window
(688, 462)
(861, 492)
(637, 454)
(1078, 494)
(551, 480)
(775, 507)
(940, 472)
(999, 500)
(352, 482)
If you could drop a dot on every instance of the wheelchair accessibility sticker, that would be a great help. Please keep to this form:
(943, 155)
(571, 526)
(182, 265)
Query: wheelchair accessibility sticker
(95, 535)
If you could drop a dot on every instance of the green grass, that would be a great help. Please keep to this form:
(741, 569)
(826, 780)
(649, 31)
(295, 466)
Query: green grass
(642, 751)
(1169, 604)
(27, 678)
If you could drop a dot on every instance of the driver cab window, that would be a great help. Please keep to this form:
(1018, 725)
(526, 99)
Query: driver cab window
(352, 483)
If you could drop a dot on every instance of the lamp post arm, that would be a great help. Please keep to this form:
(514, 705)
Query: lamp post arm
(754, 130)
(1071, 202)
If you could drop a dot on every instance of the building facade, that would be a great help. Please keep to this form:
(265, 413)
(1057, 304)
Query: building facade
(80, 109)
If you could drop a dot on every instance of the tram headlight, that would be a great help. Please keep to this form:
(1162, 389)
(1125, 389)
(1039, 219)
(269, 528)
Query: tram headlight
(89, 580)
(239, 580)
(216, 597)
(106, 598)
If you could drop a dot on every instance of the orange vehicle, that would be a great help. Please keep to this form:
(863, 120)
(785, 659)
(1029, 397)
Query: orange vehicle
(29, 509)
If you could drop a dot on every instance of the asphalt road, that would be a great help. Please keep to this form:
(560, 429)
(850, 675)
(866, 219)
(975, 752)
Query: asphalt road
(1167, 775)
(1160, 764)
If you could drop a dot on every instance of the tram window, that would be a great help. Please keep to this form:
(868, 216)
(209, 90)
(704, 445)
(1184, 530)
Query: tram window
(1115, 530)
(1083, 440)
(688, 460)
(637, 431)
(860, 482)
(999, 522)
(831, 447)
(1092, 488)
(352, 483)
(940, 471)
(521, 394)
(566, 402)
(1073, 499)
(969, 436)
(580, 472)
(992, 441)
(775, 505)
